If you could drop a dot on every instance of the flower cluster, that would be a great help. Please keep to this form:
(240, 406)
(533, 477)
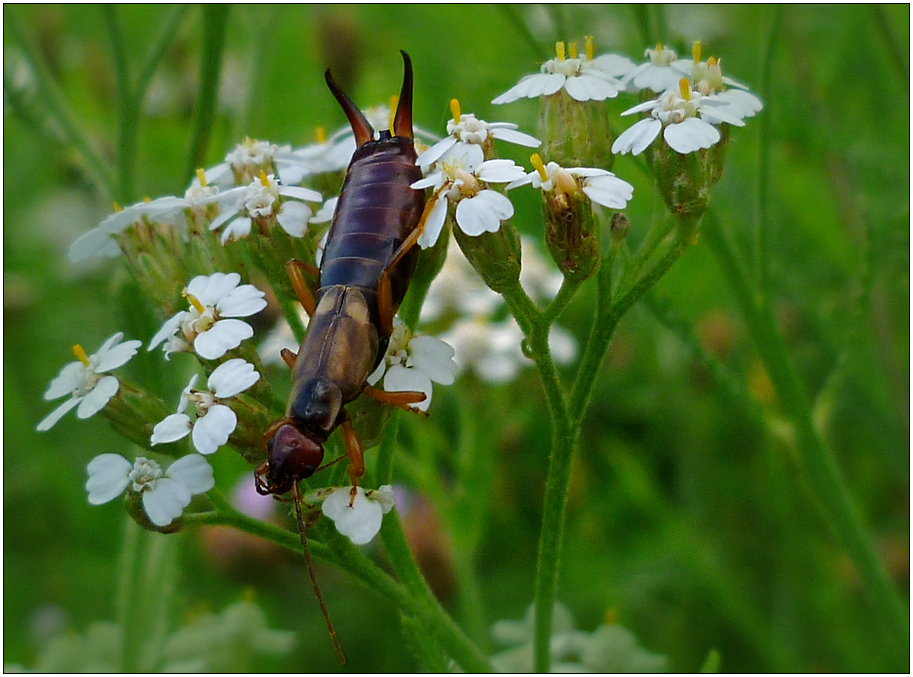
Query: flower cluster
(266, 203)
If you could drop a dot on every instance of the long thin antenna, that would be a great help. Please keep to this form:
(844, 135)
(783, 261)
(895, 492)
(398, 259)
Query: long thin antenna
(296, 497)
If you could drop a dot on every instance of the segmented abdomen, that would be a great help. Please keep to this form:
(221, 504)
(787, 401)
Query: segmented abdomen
(376, 212)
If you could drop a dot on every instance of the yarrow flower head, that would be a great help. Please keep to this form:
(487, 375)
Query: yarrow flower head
(464, 182)
(165, 494)
(584, 78)
(657, 74)
(599, 185)
(215, 421)
(412, 362)
(87, 382)
(359, 519)
(194, 206)
(709, 80)
(207, 326)
(251, 157)
(265, 200)
(685, 117)
(465, 128)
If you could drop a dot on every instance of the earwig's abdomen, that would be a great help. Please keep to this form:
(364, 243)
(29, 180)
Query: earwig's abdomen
(376, 212)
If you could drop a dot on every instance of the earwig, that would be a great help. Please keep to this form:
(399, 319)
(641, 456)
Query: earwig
(368, 262)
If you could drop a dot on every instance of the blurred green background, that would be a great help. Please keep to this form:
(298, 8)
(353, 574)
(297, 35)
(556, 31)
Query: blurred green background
(688, 520)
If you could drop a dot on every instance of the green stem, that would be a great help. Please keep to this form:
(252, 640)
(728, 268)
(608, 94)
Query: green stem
(816, 463)
(127, 110)
(215, 19)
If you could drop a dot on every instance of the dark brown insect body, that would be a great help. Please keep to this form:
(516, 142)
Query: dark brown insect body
(367, 265)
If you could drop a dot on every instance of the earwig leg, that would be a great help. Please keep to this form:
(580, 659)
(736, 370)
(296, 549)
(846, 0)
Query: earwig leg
(355, 454)
(296, 270)
(402, 399)
(288, 357)
(384, 291)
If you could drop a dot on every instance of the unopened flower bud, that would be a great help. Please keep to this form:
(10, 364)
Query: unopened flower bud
(619, 227)
(575, 133)
(495, 256)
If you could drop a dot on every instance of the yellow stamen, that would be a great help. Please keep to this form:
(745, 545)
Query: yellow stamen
(559, 50)
(200, 308)
(264, 180)
(572, 50)
(696, 51)
(394, 101)
(117, 208)
(81, 354)
(711, 61)
(321, 135)
(659, 46)
(201, 175)
(588, 47)
(685, 88)
(147, 199)
(455, 110)
(539, 166)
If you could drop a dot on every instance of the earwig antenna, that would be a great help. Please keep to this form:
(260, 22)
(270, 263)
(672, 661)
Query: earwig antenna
(296, 497)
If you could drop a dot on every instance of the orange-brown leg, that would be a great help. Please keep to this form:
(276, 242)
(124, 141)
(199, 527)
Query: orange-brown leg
(288, 357)
(402, 399)
(384, 291)
(296, 270)
(355, 454)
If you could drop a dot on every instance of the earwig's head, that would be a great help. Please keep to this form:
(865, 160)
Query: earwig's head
(294, 454)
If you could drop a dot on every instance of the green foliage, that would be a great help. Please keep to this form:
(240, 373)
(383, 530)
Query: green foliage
(734, 484)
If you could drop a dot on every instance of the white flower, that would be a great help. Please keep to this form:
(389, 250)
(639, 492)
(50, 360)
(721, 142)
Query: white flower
(584, 78)
(465, 129)
(212, 299)
(261, 200)
(412, 362)
(215, 421)
(601, 186)
(675, 113)
(657, 74)
(165, 495)
(360, 519)
(84, 380)
(100, 241)
(708, 79)
(248, 159)
(464, 182)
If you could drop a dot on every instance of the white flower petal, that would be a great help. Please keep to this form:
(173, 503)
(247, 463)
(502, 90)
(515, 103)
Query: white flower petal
(116, 356)
(212, 430)
(223, 336)
(500, 171)
(609, 191)
(194, 472)
(587, 87)
(385, 496)
(436, 152)
(512, 136)
(232, 377)
(166, 501)
(168, 329)
(433, 224)
(96, 399)
(483, 212)
(209, 289)
(301, 193)
(637, 137)
(690, 134)
(293, 217)
(108, 477)
(48, 421)
(171, 429)
(434, 358)
(244, 301)
(531, 86)
(361, 521)
(402, 379)
(236, 230)
(66, 381)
